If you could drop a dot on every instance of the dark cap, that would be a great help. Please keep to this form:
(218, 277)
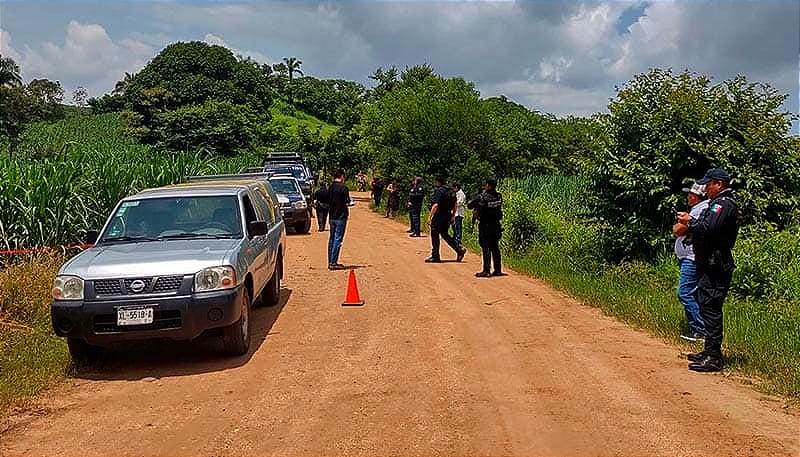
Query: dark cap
(715, 174)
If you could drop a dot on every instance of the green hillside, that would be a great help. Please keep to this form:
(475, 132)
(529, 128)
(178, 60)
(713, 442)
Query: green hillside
(290, 119)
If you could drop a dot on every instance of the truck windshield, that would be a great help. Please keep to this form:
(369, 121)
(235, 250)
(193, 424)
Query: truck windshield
(284, 186)
(183, 217)
(295, 170)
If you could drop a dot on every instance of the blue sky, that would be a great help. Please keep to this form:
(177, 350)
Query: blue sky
(561, 57)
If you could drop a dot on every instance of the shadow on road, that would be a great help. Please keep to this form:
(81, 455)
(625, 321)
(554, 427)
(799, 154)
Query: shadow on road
(354, 267)
(163, 358)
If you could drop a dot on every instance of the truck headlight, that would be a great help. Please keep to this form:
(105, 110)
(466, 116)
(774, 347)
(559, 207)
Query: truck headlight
(300, 204)
(68, 288)
(214, 278)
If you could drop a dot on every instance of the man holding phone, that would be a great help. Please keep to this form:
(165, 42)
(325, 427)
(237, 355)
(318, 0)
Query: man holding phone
(684, 251)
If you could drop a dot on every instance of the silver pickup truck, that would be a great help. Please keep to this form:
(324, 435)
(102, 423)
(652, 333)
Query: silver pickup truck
(172, 263)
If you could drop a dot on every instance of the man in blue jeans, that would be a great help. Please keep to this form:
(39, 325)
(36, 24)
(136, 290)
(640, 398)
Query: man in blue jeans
(338, 211)
(461, 211)
(684, 251)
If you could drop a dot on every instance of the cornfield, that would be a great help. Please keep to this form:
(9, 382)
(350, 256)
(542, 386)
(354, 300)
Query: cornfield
(65, 177)
(561, 193)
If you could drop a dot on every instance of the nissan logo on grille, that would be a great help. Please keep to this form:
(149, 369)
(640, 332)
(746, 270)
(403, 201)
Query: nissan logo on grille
(137, 286)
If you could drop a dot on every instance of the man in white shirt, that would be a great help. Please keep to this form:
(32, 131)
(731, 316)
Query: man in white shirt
(684, 251)
(461, 211)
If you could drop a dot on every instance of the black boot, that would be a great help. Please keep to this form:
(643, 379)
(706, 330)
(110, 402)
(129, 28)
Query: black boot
(707, 364)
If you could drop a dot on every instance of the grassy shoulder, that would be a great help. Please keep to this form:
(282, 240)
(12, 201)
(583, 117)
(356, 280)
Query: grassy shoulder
(31, 356)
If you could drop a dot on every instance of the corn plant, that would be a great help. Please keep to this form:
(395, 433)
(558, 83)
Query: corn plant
(68, 175)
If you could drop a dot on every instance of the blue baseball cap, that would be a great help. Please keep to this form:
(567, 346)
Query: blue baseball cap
(715, 174)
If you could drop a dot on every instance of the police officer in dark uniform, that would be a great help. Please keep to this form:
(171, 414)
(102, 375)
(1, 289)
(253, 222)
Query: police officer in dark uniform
(443, 205)
(488, 206)
(415, 197)
(713, 236)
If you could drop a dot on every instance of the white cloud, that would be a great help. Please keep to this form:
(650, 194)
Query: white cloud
(551, 97)
(88, 57)
(210, 38)
(5, 47)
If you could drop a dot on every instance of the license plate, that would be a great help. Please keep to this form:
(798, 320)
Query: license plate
(139, 315)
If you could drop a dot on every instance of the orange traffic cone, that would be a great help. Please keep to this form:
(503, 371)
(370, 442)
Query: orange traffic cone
(352, 298)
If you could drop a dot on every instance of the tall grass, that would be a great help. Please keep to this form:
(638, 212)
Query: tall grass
(67, 176)
(31, 356)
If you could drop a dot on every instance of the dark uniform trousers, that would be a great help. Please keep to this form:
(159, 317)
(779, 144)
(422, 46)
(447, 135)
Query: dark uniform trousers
(489, 239)
(441, 229)
(322, 217)
(712, 288)
(416, 218)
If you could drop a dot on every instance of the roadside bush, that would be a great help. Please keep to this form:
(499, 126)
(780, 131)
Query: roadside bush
(663, 130)
(768, 265)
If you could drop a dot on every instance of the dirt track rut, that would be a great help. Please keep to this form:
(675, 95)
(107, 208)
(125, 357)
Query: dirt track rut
(436, 362)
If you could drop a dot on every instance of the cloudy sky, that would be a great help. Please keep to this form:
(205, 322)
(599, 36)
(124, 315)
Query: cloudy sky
(561, 57)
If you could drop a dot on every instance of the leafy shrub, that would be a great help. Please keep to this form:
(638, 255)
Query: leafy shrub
(664, 129)
(768, 264)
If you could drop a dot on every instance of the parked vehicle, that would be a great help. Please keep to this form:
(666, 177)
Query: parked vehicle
(172, 263)
(288, 163)
(294, 207)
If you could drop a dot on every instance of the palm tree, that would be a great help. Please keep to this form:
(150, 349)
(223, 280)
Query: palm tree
(292, 67)
(119, 87)
(9, 72)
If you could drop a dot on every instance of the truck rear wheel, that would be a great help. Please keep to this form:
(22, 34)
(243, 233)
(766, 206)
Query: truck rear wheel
(303, 227)
(236, 337)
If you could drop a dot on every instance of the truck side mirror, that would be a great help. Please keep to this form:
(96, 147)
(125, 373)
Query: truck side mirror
(258, 228)
(91, 236)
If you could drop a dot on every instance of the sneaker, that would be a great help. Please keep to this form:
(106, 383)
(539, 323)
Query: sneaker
(499, 273)
(331, 267)
(432, 260)
(409, 231)
(707, 364)
(693, 336)
(483, 274)
(414, 235)
(461, 253)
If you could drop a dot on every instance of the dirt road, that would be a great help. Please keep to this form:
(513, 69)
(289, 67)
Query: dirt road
(436, 362)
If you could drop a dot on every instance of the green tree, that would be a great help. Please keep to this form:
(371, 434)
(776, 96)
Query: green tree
(10, 75)
(121, 85)
(292, 66)
(80, 96)
(40, 100)
(216, 128)
(386, 81)
(663, 130)
(523, 143)
(436, 126)
(186, 77)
